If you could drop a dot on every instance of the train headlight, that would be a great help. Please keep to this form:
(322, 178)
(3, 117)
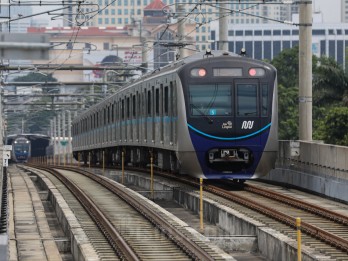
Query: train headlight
(198, 72)
(256, 72)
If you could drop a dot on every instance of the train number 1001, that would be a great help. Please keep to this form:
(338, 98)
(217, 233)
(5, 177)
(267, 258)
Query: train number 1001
(247, 124)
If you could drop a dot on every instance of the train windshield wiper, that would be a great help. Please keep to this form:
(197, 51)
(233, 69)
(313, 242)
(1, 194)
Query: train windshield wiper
(202, 113)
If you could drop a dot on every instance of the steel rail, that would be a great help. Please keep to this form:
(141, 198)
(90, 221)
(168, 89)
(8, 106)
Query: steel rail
(315, 209)
(166, 227)
(317, 232)
(111, 233)
(312, 230)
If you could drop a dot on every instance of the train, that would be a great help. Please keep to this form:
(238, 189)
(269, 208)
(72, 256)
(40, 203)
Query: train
(21, 150)
(212, 115)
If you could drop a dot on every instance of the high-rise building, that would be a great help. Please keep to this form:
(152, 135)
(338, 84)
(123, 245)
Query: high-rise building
(125, 12)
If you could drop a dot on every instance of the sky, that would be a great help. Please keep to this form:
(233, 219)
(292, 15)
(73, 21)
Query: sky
(331, 10)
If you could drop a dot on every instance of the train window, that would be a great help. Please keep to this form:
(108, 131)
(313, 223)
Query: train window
(264, 100)
(128, 108)
(133, 105)
(122, 110)
(157, 102)
(105, 116)
(166, 97)
(247, 100)
(210, 99)
(149, 103)
(113, 112)
(138, 104)
(108, 120)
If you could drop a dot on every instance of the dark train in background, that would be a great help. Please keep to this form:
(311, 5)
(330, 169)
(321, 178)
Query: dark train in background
(21, 150)
(211, 115)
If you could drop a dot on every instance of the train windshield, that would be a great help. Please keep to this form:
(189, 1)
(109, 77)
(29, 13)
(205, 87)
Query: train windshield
(247, 100)
(21, 148)
(210, 99)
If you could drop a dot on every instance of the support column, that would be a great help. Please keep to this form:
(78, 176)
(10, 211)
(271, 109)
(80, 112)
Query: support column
(305, 71)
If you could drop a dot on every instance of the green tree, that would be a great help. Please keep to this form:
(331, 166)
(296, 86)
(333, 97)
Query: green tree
(330, 90)
(336, 126)
(330, 84)
(288, 112)
(287, 67)
(38, 77)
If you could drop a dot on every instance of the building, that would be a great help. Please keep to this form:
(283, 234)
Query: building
(96, 46)
(268, 40)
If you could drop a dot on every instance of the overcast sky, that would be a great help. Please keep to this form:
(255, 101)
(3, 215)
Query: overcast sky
(331, 10)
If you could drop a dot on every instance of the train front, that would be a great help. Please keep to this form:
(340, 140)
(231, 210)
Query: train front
(21, 150)
(231, 115)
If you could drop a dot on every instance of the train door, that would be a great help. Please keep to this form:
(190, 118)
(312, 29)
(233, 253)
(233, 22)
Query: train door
(166, 117)
(153, 114)
(138, 115)
(173, 112)
(157, 117)
(134, 117)
(128, 120)
(123, 135)
(149, 104)
(161, 113)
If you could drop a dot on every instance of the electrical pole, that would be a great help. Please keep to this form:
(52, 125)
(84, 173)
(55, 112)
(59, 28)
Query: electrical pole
(54, 137)
(223, 25)
(181, 29)
(305, 71)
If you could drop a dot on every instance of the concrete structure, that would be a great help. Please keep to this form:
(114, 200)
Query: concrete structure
(268, 40)
(314, 166)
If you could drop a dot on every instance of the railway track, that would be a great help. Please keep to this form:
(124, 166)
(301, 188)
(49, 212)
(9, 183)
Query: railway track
(144, 233)
(324, 230)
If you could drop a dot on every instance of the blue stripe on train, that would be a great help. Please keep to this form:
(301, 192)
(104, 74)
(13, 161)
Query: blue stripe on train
(202, 144)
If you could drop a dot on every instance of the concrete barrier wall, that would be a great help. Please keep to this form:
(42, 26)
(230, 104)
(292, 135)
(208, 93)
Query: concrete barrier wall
(315, 154)
(319, 167)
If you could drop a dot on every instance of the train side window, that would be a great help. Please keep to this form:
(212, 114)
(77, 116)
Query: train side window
(105, 116)
(128, 107)
(264, 100)
(122, 109)
(149, 103)
(134, 106)
(166, 93)
(138, 105)
(108, 114)
(247, 100)
(157, 102)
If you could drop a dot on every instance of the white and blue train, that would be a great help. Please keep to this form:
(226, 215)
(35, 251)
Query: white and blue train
(211, 115)
(21, 150)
